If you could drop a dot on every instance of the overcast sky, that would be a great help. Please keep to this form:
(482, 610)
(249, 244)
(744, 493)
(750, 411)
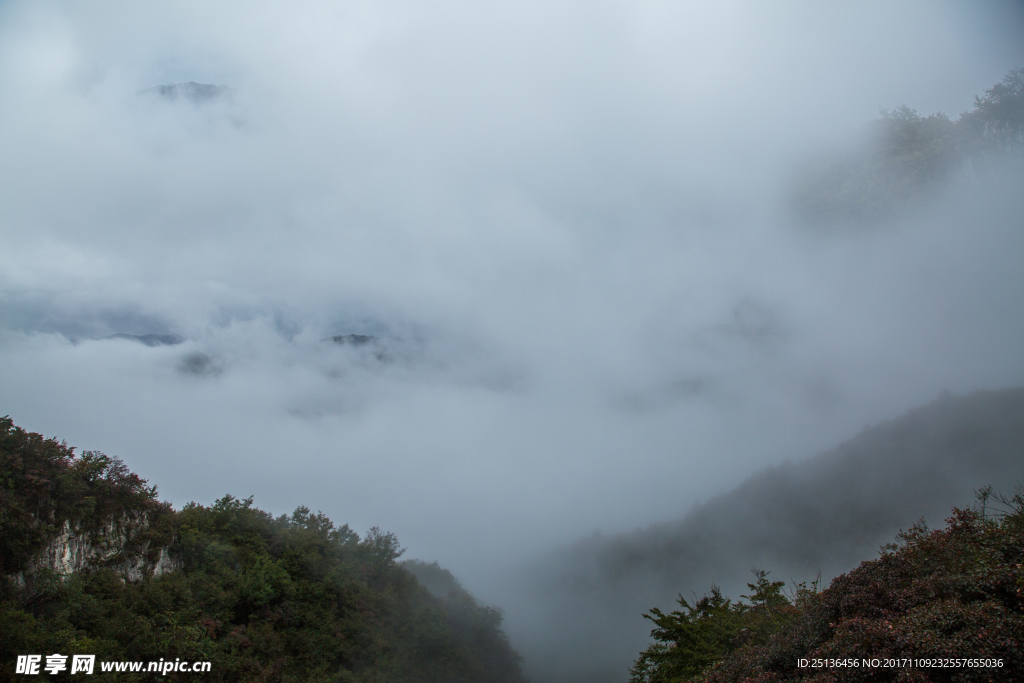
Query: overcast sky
(564, 221)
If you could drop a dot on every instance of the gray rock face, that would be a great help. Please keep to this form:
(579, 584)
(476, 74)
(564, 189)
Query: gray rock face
(75, 550)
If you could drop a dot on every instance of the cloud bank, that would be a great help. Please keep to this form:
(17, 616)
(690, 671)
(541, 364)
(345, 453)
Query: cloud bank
(563, 223)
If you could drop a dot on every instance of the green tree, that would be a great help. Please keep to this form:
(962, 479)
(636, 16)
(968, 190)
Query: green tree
(690, 640)
(996, 125)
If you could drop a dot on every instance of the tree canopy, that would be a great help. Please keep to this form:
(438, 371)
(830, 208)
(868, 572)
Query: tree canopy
(909, 156)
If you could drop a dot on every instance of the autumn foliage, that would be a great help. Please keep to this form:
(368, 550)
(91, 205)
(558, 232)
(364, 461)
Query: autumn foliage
(950, 594)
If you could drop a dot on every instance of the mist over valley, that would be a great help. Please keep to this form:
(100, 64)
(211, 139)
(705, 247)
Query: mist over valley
(590, 304)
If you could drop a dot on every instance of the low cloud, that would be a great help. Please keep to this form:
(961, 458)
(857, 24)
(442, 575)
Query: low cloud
(563, 226)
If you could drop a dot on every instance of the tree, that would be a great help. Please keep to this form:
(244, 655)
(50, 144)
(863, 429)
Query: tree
(997, 123)
(690, 640)
(907, 157)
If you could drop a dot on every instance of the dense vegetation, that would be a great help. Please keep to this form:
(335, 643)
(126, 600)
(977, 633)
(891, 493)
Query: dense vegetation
(291, 598)
(908, 157)
(689, 641)
(43, 485)
(956, 593)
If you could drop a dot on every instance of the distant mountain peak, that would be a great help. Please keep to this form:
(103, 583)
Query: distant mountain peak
(150, 339)
(353, 339)
(369, 343)
(197, 93)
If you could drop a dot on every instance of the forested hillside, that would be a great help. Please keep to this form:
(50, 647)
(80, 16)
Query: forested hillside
(825, 514)
(263, 598)
(945, 605)
(906, 157)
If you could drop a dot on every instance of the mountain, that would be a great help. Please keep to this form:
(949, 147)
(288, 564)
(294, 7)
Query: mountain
(196, 93)
(825, 514)
(94, 564)
(378, 347)
(150, 339)
(296, 597)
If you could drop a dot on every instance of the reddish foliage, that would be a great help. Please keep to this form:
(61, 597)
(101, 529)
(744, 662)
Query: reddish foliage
(43, 484)
(957, 593)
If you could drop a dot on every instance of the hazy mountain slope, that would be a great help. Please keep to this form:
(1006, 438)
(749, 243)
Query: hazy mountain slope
(824, 514)
(92, 563)
(953, 593)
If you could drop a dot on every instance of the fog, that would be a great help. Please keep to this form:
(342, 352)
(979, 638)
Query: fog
(563, 224)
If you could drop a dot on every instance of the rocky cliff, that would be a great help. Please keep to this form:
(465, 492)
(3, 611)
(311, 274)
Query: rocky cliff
(63, 513)
(118, 545)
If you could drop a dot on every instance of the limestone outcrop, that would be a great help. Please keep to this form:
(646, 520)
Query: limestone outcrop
(116, 545)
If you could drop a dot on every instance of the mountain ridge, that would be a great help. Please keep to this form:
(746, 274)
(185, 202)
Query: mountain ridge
(826, 514)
